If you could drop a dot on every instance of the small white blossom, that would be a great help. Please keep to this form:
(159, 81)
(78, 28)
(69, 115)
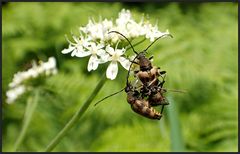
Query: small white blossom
(152, 32)
(98, 31)
(77, 48)
(134, 29)
(106, 27)
(107, 24)
(123, 23)
(14, 93)
(123, 18)
(95, 51)
(116, 56)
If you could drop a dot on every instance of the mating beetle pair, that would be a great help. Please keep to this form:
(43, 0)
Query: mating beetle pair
(150, 93)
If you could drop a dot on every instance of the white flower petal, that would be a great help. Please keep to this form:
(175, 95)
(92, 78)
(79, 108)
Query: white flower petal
(104, 58)
(120, 51)
(112, 70)
(152, 39)
(107, 24)
(14, 93)
(92, 63)
(93, 46)
(110, 58)
(82, 53)
(110, 50)
(70, 49)
(100, 46)
(74, 52)
(124, 62)
(52, 62)
(79, 47)
(85, 43)
(101, 52)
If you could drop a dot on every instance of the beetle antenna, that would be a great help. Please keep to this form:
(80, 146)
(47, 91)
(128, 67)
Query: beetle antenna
(156, 40)
(125, 38)
(109, 96)
(175, 90)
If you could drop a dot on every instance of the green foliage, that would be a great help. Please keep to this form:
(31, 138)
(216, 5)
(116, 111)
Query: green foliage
(201, 58)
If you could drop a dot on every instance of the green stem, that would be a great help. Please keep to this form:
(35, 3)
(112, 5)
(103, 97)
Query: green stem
(177, 143)
(75, 117)
(30, 108)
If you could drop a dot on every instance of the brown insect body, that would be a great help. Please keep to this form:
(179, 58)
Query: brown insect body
(149, 77)
(141, 106)
(158, 99)
(144, 63)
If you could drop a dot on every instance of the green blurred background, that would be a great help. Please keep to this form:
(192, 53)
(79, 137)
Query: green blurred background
(202, 58)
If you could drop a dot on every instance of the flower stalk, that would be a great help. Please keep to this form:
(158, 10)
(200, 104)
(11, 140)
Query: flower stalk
(30, 108)
(177, 142)
(76, 116)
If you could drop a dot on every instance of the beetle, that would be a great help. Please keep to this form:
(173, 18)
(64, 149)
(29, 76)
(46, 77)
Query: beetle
(148, 75)
(140, 105)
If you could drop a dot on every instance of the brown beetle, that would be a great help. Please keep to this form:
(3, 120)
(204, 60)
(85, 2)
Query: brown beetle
(140, 105)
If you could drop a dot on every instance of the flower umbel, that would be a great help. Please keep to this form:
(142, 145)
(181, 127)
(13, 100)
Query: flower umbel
(96, 42)
(19, 85)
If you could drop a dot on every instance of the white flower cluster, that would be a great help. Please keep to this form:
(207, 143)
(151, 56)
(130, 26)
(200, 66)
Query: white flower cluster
(17, 86)
(96, 42)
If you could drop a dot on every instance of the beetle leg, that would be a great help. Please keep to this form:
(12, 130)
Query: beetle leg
(150, 57)
(155, 79)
